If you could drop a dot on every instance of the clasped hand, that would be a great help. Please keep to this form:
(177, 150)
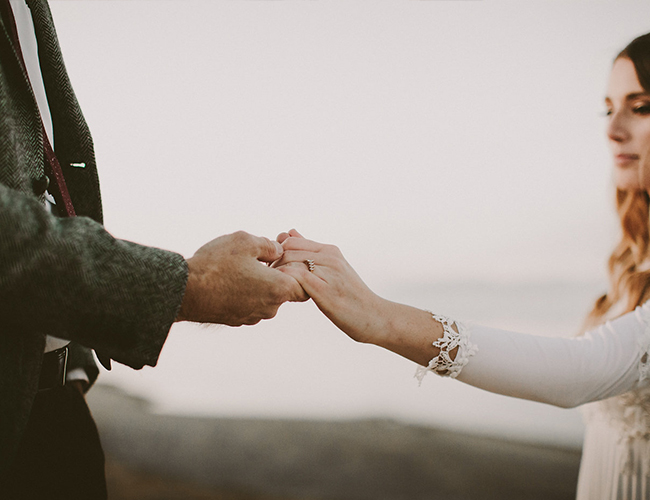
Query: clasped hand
(229, 284)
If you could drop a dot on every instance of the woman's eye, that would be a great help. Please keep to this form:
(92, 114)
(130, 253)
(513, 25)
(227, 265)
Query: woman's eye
(643, 109)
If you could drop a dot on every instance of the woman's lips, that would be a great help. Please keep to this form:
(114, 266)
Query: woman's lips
(624, 160)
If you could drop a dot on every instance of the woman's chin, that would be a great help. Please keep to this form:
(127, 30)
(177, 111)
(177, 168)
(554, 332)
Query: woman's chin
(627, 179)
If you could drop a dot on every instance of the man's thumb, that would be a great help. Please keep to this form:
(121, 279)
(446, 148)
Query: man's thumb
(269, 251)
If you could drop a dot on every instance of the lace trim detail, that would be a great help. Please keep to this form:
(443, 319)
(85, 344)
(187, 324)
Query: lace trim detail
(625, 419)
(643, 314)
(453, 338)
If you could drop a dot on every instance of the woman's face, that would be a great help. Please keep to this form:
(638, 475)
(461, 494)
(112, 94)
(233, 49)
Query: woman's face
(628, 128)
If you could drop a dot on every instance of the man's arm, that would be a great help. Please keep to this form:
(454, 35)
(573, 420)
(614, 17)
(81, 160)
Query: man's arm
(72, 279)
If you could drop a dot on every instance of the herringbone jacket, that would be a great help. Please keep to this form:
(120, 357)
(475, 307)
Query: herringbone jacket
(65, 277)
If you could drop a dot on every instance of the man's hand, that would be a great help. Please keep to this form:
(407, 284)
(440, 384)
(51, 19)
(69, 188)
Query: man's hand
(229, 283)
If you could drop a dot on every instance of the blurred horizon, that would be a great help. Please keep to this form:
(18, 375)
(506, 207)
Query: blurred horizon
(299, 366)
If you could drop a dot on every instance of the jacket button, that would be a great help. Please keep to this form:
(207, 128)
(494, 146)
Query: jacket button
(40, 185)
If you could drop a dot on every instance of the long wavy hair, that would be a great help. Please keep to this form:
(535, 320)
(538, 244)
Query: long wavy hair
(628, 282)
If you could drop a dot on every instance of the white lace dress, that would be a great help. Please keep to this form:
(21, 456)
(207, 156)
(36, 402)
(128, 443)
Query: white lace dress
(608, 368)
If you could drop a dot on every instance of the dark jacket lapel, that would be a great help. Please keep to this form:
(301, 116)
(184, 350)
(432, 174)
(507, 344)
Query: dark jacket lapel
(72, 140)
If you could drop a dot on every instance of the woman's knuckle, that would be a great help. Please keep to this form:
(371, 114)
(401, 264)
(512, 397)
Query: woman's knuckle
(289, 243)
(332, 249)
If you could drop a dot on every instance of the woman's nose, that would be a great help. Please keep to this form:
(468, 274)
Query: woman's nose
(617, 128)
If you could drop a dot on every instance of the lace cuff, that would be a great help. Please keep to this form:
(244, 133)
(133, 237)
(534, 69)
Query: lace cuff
(456, 335)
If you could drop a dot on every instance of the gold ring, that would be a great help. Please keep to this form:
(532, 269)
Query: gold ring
(310, 265)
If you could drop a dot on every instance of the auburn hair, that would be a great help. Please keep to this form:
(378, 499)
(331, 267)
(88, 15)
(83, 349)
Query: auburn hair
(629, 282)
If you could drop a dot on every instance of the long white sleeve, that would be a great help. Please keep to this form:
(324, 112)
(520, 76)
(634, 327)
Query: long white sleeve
(565, 372)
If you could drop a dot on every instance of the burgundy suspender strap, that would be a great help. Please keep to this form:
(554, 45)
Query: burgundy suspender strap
(53, 171)
(58, 187)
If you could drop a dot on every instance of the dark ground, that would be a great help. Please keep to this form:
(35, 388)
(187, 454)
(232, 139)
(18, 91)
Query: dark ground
(166, 457)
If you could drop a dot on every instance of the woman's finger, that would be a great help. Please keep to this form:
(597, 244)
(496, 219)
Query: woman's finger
(294, 233)
(301, 256)
(291, 234)
(281, 237)
(299, 243)
(310, 282)
(309, 264)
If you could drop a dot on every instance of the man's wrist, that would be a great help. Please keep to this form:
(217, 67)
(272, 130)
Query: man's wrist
(184, 311)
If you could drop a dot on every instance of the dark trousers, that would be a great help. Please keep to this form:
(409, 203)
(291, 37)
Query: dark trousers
(60, 456)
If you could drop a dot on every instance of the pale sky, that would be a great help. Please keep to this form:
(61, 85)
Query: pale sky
(437, 138)
(430, 140)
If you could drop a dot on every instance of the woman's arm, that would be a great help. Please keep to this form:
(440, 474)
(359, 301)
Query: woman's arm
(564, 372)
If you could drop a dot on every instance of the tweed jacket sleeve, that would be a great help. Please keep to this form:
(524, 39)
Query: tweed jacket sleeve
(72, 279)
(69, 277)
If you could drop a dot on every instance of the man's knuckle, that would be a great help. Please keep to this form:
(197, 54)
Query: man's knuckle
(241, 236)
(269, 245)
(278, 294)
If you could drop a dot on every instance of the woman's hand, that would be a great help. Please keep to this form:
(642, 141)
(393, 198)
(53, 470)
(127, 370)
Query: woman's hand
(346, 300)
(335, 287)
